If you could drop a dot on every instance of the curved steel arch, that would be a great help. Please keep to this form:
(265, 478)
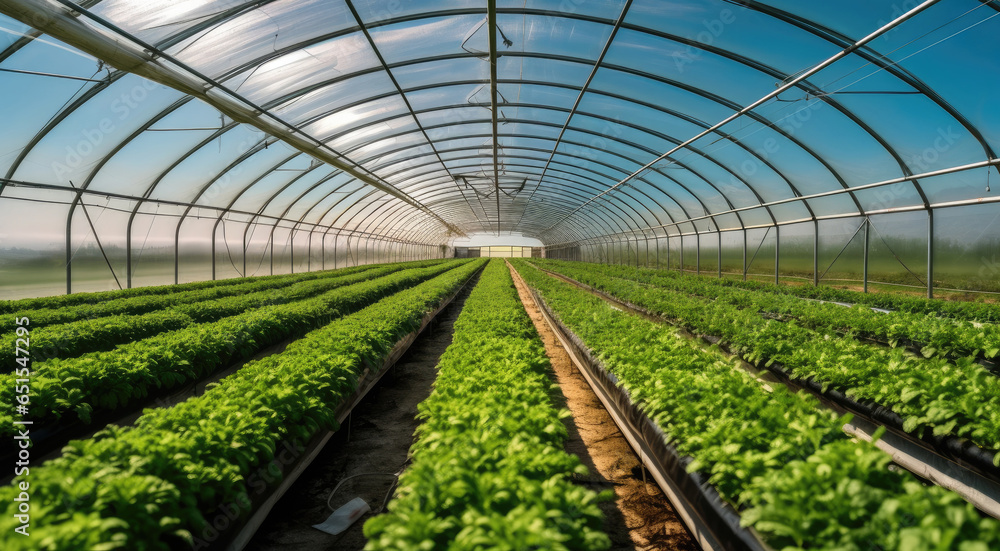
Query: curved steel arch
(265, 204)
(571, 190)
(812, 26)
(342, 107)
(785, 135)
(826, 34)
(695, 196)
(575, 188)
(380, 155)
(738, 178)
(522, 157)
(370, 99)
(471, 157)
(619, 218)
(750, 63)
(116, 75)
(764, 161)
(92, 91)
(470, 136)
(412, 167)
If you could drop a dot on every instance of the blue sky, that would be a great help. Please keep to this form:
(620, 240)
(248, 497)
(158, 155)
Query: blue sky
(951, 48)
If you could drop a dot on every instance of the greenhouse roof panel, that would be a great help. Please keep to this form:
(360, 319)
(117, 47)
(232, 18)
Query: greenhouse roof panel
(642, 114)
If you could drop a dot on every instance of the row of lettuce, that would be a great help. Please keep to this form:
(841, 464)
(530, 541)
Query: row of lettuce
(101, 299)
(180, 476)
(70, 331)
(925, 331)
(70, 389)
(979, 311)
(50, 310)
(779, 458)
(946, 397)
(489, 470)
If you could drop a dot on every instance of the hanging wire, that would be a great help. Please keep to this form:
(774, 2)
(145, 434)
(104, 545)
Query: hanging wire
(229, 252)
(776, 122)
(38, 39)
(894, 255)
(506, 41)
(935, 29)
(895, 63)
(142, 248)
(849, 241)
(268, 242)
(56, 112)
(470, 34)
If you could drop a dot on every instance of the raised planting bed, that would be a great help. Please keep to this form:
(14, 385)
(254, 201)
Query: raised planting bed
(780, 459)
(488, 467)
(74, 389)
(950, 462)
(212, 455)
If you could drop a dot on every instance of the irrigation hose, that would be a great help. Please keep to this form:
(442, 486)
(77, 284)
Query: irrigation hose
(385, 501)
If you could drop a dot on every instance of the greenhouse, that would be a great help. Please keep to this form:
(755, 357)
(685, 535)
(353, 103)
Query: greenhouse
(579, 274)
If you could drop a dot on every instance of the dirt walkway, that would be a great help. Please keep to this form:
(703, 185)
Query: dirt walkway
(640, 517)
(377, 440)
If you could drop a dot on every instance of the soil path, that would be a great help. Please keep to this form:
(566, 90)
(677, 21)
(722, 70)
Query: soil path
(376, 438)
(640, 517)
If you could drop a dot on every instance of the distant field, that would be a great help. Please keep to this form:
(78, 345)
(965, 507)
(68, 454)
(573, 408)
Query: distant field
(30, 274)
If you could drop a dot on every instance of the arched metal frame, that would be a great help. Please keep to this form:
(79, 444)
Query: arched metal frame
(605, 198)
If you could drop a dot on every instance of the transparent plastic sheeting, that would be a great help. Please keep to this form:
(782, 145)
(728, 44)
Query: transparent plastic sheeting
(586, 135)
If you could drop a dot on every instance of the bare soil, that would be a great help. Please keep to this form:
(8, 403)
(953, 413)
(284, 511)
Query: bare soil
(375, 439)
(378, 436)
(640, 517)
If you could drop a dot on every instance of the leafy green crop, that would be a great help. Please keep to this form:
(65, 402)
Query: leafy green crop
(933, 335)
(126, 302)
(76, 387)
(958, 398)
(62, 301)
(959, 310)
(104, 333)
(779, 458)
(158, 485)
(489, 470)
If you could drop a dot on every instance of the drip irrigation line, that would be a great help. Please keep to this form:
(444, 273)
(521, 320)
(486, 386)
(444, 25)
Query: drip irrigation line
(392, 487)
